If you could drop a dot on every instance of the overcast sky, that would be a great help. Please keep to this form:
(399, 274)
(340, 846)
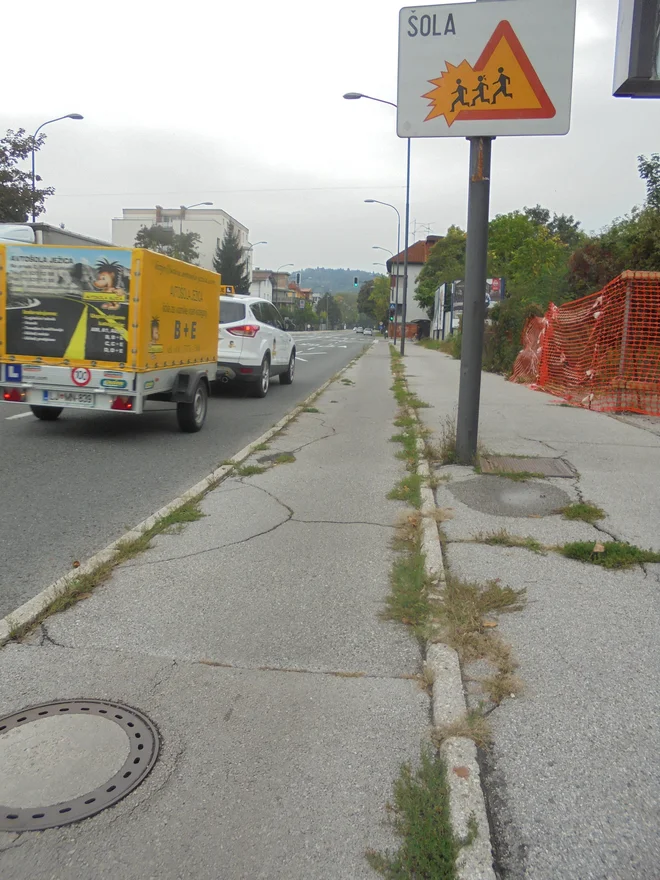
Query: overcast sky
(241, 104)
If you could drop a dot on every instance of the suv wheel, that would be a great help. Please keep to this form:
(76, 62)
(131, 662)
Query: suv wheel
(287, 378)
(263, 383)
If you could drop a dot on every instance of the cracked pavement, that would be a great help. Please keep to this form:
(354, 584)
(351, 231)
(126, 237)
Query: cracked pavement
(573, 776)
(252, 639)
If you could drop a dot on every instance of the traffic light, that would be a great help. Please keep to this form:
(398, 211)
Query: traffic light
(392, 310)
(297, 277)
(355, 282)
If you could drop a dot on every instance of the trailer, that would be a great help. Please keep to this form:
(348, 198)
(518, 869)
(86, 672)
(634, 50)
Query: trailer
(106, 329)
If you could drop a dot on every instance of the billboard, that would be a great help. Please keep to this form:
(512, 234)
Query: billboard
(637, 60)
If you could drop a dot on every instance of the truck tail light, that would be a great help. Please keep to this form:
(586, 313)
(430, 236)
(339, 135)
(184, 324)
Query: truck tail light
(122, 403)
(244, 330)
(13, 395)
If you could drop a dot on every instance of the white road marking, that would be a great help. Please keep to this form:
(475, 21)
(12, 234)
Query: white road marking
(301, 359)
(17, 416)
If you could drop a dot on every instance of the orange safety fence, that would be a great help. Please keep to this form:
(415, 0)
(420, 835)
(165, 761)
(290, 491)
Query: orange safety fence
(602, 351)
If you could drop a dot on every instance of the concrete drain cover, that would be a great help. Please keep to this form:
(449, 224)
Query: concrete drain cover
(62, 762)
(502, 497)
(547, 467)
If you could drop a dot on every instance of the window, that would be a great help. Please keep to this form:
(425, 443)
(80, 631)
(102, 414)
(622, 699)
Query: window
(231, 311)
(257, 311)
(271, 315)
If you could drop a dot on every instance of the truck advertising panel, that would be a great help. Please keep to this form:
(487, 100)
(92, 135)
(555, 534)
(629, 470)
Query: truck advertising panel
(66, 302)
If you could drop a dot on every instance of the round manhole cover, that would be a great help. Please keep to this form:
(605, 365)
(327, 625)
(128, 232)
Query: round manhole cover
(62, 762)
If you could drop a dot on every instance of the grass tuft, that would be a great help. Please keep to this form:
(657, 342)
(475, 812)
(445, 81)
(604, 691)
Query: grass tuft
(444, 452)
(284, 458)
(583, 510)
(420, 817)
(504, 539)
(311, 409)
(614, 554)
(472, 726)
(408, 489)
(407, 601)
(249, 470)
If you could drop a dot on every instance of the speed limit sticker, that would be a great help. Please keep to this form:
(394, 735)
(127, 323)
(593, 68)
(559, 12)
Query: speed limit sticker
(81, 376)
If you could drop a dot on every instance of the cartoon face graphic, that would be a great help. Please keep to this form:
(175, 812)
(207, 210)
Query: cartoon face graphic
(107, 276)
(155, 330)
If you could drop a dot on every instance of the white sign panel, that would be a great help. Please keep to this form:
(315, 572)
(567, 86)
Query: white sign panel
(486, 69)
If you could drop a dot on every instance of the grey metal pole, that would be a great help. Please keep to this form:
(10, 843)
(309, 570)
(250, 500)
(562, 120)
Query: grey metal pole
(405, 258)
(474, 306)
(396, 289)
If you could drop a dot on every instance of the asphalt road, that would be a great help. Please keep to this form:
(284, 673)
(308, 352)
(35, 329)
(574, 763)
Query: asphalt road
(71, 487)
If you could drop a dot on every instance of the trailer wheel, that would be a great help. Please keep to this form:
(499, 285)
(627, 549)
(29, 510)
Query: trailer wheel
(191, 414)
(46, 413)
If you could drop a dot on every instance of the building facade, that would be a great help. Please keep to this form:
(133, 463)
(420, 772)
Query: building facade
(418, 254)
(262, 284)
(209, 223)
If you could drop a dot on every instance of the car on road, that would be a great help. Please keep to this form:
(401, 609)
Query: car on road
(253, 344)
(368, 331)
(359, 330)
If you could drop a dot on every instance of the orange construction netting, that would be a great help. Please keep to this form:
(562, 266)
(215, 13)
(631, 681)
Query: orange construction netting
(601, 352)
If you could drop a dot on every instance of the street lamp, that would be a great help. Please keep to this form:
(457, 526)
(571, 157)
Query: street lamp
(379, 264)
(353, 96)
(283, 266)
(185, 208)
(376, 247)
(398, 251)
(34, 136)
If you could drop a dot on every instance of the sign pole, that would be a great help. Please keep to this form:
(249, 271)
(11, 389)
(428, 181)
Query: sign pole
(474, 305)
(405, 259)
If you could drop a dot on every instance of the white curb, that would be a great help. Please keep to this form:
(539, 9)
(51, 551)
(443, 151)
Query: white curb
(466, 796)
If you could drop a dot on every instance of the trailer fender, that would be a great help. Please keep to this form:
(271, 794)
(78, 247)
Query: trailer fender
(186, 383)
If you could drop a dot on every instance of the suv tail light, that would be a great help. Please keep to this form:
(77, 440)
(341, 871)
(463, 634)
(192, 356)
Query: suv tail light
(13, 395)
(244, 330)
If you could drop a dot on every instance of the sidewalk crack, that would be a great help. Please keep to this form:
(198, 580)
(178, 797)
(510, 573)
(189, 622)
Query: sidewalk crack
(342, 522)
(333, 673)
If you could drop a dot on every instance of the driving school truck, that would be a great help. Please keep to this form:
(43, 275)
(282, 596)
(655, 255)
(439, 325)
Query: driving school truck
(105, 329)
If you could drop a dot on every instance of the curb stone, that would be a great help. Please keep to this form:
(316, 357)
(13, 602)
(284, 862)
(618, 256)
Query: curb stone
(466, 796)
(29, 612)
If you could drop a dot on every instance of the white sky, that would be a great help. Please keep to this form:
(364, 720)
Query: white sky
(241, 104)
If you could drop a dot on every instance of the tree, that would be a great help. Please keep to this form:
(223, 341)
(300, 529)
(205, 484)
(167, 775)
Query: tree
(446, 263)
(364, 304)
(16, 200)
(649, 171)
(329, 310)
(379, 298)
(229, 263)
(164, 240)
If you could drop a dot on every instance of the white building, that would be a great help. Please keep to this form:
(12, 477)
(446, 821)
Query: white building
(418, 254)
(209, 223)
(262, 284)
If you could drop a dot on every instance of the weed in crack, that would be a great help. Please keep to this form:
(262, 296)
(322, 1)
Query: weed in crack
(409, 490)
(311, 409)
(504, 539)
(472, 726)
(420, 817)
(249, 470)
(613, 554)
(284, 458)
(407, 601)
(444, 452)
(583, 510)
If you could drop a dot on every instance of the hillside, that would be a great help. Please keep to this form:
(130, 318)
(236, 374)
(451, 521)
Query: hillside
(325, 280)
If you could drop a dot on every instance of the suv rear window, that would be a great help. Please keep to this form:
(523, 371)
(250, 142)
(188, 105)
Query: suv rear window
(231, 311)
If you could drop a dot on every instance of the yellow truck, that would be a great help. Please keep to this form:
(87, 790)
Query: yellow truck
(105, 329)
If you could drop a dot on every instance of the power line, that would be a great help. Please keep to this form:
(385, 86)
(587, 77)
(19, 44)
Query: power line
(162, 193)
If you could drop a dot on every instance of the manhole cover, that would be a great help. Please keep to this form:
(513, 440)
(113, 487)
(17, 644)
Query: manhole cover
(502, 497)
(507, 464)
(62, 762)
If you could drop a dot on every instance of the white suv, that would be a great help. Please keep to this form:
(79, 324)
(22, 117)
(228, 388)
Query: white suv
(253, 344)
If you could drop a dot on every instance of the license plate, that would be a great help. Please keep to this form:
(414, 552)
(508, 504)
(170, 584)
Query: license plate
(72, 398)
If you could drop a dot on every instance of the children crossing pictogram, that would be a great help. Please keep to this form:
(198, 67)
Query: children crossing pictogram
(503, 84)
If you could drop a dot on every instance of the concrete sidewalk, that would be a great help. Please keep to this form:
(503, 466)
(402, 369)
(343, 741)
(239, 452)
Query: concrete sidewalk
(573, 776)
(252, 639)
